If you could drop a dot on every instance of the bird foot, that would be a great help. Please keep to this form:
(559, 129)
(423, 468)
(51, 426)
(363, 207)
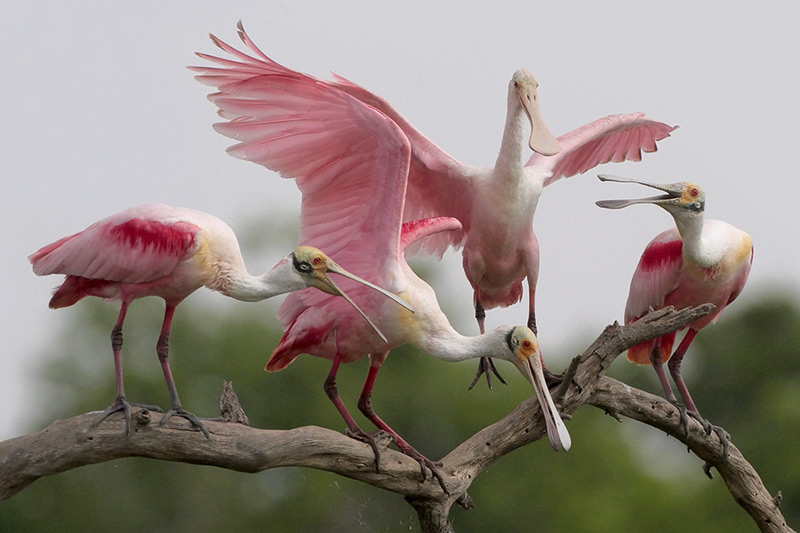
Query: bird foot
(423, 462)
(486, 366)
(723, 436)
(121, 404)
(684, 415)
(183, 413)
(377, 440)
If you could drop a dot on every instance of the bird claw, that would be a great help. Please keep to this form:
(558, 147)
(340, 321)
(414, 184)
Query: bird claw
(723, 436)
(183, 413)
(121, 404)
(425, 462)
(370, 438)
(485, 365)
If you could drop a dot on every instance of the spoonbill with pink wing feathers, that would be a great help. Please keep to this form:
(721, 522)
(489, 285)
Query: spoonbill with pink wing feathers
(699, 261)
(170, 252)
(351, 164)
(495, 205)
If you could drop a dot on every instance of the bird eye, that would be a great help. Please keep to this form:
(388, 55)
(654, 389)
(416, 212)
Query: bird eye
(317, 260)
(695, 192)
(526, 344)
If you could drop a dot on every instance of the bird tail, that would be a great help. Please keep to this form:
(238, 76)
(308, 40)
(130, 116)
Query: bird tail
(640, 354)
(75, 288)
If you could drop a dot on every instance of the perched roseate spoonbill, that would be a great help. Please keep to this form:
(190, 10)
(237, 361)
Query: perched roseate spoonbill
(495, 205)
(171, 252)
(351, 164)
(699, 261)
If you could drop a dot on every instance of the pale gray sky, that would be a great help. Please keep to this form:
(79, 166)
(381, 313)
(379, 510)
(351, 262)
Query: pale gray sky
(101, 114)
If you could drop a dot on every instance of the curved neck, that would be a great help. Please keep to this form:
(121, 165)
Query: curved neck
(239, 284)
(449, 345)
(694, 247)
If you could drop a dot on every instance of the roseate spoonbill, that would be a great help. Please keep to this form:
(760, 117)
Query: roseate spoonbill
(698, 261)
(171, 252)
(351, 164)
(495, 205)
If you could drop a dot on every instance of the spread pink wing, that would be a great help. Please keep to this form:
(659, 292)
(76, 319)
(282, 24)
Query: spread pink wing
(615, 138)
(438, 184)
(334, 115)
(349, 161)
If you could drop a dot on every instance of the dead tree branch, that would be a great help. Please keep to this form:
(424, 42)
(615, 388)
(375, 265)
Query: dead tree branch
(71, 443)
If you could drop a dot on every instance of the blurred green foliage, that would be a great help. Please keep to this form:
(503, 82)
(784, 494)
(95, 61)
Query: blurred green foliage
(744, 374)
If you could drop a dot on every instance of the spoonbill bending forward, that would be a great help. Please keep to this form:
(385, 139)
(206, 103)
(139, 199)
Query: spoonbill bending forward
(351, 163)
(699, 261)
(171, 252)
(495, 205)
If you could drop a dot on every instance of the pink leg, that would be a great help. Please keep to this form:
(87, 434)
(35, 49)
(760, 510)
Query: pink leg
(658, 365)
(352, 427)
(365, 406)
(675, 368)
(551, 379)
(162, 348)
(121, 403)
(485, 365)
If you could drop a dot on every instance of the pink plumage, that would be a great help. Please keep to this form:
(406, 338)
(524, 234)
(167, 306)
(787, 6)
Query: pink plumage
(352, 164)
(696, 262)
(170, 252)
(314, 129)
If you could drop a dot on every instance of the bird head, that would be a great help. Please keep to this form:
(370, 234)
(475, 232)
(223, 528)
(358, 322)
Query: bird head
(680, 199)
(524, 347)
(526, 356)
(313, 266)
(524, 88)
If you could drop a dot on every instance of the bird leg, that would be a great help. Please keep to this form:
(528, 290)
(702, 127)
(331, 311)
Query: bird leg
(550, 378)
(162, 349)
(353, 430)
(365, 406)
(657, 361)
(485, 365)
(121, 404)
(691, 409)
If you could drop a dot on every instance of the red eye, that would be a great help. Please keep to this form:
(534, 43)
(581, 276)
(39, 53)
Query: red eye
(317, 260)
(695, 192)
(526, 344)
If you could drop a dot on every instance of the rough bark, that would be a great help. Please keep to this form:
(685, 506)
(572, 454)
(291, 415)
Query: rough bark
(71, 443)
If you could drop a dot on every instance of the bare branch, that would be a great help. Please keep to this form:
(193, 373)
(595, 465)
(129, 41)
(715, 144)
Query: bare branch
(71, 443)
(741, 478)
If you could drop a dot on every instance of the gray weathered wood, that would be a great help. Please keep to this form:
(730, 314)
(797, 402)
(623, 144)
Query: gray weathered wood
(71, 443)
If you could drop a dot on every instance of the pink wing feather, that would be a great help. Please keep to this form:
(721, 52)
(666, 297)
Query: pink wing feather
(615, 138)
(349, 160)
(134, 246)
(656, 274)
(342, 113)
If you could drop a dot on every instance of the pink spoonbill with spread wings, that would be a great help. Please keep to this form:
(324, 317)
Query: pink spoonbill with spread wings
(351, 163)
(158, 250)
(495, 205)
(698, 261)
